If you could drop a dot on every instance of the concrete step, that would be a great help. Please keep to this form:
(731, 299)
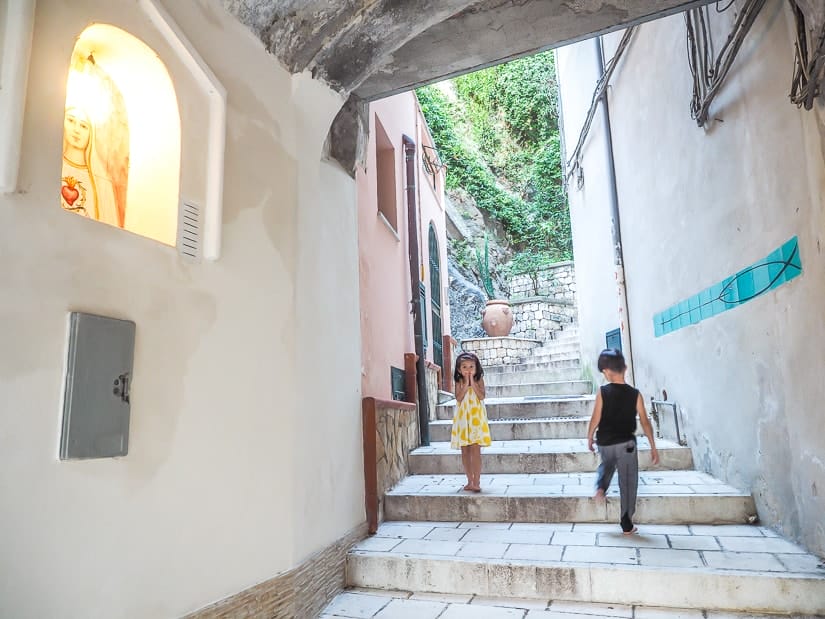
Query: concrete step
(527, 366)
(539, 456)
(557, 387)
(520, 429)
(713, 568)
(445, 396)
(528, 408)
(532, 373)
(366, 603)
(557, 347)
(665, 497)
(541, 354)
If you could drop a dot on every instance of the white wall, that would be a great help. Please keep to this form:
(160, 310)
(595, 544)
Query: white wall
(245, 426)
(590, 213)
(696, 207)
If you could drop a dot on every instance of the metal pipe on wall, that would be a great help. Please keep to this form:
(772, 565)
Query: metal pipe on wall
(615, 222)
(415, 299)
(15, 52)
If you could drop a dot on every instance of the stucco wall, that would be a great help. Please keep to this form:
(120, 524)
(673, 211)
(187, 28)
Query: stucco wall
(386, 322)
(590, 205)
(696, 207)
(245, 411)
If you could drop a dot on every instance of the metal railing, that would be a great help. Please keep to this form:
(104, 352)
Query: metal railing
(667, 421)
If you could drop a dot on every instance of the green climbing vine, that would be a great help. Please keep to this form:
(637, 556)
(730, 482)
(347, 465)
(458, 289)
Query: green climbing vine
(500, 141)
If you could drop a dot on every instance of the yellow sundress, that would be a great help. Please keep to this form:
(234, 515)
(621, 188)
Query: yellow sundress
(470, 423)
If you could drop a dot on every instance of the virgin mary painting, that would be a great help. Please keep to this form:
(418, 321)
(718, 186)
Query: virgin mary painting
(95, 146)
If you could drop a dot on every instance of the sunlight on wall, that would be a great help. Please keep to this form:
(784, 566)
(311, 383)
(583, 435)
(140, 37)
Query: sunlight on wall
(122, 136)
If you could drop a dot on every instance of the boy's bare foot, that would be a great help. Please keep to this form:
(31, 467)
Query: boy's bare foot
(632, 531)
(599, 496)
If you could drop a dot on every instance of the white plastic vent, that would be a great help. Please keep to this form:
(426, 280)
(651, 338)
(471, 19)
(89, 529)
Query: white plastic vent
(189, 230)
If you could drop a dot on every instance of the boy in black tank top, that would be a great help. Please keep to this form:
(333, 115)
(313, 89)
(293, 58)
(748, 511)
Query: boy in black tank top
(614, 416)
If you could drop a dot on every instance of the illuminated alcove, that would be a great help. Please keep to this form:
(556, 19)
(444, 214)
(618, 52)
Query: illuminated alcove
(122, 135)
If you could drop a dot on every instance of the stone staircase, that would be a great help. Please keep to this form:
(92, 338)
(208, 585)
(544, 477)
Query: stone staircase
(534, 544)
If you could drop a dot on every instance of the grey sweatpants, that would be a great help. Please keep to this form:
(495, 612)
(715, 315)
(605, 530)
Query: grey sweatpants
(623, 457)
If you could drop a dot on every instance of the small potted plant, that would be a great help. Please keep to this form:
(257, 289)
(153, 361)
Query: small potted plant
(497, 318)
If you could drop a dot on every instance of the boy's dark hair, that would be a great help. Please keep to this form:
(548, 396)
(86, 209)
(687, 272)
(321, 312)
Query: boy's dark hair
(611, 359)
(468, 356)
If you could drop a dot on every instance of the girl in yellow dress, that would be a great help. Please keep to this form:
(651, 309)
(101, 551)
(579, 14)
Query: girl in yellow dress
(470, 428)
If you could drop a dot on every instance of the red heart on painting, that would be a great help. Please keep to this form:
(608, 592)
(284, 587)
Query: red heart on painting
(70, 194)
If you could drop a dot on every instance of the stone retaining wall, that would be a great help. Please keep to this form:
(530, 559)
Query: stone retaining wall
(500, 350)
(396, 436)
(558, 282)
(433, 380)
(538, 317)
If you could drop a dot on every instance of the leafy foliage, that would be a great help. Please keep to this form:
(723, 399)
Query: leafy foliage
(501, 144)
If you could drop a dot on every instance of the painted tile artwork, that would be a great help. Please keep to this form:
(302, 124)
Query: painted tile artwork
(780, 266)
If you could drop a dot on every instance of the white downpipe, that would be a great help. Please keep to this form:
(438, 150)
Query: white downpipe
(18, 28)
(216, 132)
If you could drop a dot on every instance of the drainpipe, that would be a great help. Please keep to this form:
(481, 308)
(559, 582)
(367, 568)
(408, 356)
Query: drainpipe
(615, 222)
(15, 52)
(415, 300)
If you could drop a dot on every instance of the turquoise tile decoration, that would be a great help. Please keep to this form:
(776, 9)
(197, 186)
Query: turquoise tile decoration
(777, 268)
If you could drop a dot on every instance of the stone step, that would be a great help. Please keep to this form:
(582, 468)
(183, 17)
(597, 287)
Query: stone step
(520, 429)
(529, 366)
(539, 456)
(714, 568)
(532, 373)
(445, 396)
(557, 347)
(557, 387)
(366, 603)
(540, 354)
(528, 408)
(664, 497)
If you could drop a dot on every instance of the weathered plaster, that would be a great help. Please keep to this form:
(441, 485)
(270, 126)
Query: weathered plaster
(697, 206)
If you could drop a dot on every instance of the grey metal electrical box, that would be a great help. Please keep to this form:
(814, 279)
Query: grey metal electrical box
(98, 379)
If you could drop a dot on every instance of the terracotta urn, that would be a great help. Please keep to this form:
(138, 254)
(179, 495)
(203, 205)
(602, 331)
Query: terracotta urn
(497, 318)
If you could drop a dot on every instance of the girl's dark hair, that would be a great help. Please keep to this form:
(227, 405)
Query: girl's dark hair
(611, 359)
(468, 356)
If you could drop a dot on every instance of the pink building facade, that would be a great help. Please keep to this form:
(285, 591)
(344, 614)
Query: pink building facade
(384, 241)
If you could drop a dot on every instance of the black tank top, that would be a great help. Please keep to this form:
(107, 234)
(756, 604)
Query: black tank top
(618, 422)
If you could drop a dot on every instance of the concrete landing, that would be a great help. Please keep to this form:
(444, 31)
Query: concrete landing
(665, 497)
(362, 603)
(540, 456)
(520, 429)
(722, 568)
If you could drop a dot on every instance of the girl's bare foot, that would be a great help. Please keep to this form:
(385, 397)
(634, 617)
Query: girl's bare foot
(468, 487)
(475, 489)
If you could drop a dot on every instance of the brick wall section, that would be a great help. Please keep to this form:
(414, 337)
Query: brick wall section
(500, 350)
(558, 282)
(300, 592)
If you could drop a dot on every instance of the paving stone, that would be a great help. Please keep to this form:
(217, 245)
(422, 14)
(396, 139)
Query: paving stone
(693, 542)
(641, 540)
(667, 613)
(416, 531)
(803, 563)
(532, 552)
(378, 543)
(426, 547)
(356, 605)
(727, 530)
(597, 554)
(659, 557)
(481, 612)
(509, 536)
(445, 598)
(574, 539)
(749, 561)
(482, 550)
(411, 609)
(542, 526)
(443, 534)
(762, 544)
(599, 610)
(519, 603)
